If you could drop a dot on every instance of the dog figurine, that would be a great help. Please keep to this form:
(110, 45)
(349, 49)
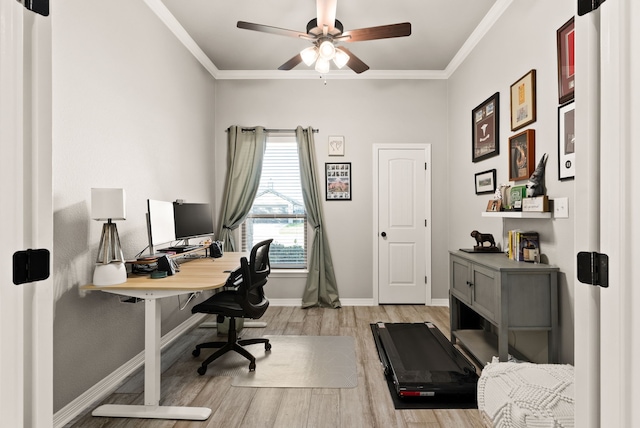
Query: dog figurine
(481, 238)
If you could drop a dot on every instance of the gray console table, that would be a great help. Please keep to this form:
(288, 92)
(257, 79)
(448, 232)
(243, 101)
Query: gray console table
(509, 295)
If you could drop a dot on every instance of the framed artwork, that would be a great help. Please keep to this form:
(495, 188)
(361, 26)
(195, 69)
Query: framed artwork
(486, 182)
(485, 126)
(523, 101)
(336, 145)
(494, 205)
(566, 141)
(522, 155)
(566, 61)
(338, 177)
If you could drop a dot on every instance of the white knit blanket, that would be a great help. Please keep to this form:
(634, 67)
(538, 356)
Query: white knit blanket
(527, 395)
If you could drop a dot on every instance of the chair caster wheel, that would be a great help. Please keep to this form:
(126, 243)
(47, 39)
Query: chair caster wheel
(196, 352)
(252, 366)
(267, 347)
(202, 370)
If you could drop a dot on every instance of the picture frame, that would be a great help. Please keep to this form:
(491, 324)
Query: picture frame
(486, 182)
(485, 127)
(566, 61)
(566, 141)
(338, 181)
(336, 145)
(523, 101)
(522, 155)
(494, 205)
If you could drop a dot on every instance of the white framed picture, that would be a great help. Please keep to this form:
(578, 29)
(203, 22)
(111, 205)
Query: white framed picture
(336, 145)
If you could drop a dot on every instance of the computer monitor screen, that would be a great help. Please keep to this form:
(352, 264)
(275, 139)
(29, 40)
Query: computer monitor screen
(161, 223)
(192, 220)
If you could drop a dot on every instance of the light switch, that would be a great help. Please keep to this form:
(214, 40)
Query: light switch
(561, 207)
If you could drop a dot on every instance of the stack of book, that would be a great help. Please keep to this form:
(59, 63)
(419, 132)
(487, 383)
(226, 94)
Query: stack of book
(524, 246)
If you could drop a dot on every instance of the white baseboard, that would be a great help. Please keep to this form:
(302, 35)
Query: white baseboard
(439, 302)
(106, 386)
(298, 302)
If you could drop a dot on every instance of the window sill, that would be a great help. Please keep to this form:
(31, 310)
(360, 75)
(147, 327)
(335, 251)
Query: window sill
(289, 273)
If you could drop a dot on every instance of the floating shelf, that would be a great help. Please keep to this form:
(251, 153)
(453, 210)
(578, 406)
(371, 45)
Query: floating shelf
(516, 214)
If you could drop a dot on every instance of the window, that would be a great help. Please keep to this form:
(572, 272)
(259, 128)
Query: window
(278, 210)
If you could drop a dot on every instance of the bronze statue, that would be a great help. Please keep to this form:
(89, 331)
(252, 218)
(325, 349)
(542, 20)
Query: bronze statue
(481, 239)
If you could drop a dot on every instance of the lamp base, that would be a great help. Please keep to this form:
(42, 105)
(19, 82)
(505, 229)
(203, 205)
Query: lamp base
(110, 274)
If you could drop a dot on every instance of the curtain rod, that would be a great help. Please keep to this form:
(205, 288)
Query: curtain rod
(274, 131)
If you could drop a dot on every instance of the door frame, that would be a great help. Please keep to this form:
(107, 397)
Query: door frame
(427, 212)
(26, 311)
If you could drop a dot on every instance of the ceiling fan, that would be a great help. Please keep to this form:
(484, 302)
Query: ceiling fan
(324, 32)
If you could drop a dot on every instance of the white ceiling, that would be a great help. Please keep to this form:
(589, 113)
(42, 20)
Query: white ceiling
(440, 29)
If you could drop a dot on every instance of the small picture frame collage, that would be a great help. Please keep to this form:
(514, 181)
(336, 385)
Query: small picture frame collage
(338, 181)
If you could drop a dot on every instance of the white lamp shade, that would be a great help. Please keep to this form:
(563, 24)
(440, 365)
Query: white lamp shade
(107, 204)
(309, 55)
(327, 50)
(322, 65)
(341, 58)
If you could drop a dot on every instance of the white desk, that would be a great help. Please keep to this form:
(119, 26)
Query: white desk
(195, 275)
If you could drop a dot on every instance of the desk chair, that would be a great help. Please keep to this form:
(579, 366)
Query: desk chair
(245, 299)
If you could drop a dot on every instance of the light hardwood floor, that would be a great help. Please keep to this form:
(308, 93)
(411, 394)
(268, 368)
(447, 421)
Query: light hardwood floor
(367, 405)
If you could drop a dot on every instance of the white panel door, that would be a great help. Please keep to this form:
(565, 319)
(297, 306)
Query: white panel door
(402, 225)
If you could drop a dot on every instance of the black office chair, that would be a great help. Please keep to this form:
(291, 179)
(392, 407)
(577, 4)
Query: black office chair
(244, 299)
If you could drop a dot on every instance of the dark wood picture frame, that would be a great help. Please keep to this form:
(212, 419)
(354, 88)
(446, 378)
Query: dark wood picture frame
(566, 61)
(485, 182)
(522, 155)
(523, 101)
(566, 141)
(338, 181)
(485, 125)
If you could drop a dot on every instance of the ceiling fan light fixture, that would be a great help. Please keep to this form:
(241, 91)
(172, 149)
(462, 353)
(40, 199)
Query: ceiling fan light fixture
(327, 50)
(309, 55)
(322, 65)
(341, 58)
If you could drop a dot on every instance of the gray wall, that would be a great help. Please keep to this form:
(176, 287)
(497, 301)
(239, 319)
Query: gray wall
(132, 109)
(513, 46)
(365, 112)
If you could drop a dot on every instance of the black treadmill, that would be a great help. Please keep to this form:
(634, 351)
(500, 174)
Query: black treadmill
(421, 362)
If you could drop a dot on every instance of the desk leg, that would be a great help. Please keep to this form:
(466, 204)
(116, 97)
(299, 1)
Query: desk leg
(152, 372)
(152, 364)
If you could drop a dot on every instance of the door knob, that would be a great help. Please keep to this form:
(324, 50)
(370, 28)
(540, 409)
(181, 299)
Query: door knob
(383, 234)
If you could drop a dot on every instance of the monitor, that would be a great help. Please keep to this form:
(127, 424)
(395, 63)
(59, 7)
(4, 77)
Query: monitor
(161, 223)
(192, 220)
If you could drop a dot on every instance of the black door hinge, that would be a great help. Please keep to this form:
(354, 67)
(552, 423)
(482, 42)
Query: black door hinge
(593, 268)
(40, 7)
(30, 265)
(586, 6)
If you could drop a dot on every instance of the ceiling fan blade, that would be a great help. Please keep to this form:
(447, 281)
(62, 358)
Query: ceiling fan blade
(291, 63)
(355, 63)
(326, 13)
(273, 30)
(375, 33)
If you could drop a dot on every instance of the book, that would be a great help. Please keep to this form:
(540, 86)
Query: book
(529, 247)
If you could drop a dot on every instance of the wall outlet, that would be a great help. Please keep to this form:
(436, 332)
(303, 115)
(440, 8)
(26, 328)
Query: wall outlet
(561, 207)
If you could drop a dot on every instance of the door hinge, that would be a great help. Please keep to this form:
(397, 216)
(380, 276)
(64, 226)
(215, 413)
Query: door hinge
(593, 268)
(425, 166)
(425, 222)
(30, 265)
(425, 279)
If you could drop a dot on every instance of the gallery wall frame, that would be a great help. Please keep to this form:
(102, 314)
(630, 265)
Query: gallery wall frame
(566, 61)
(566, 141)
(522, 155)
(485, 182)
(338, 181)
(523, 101)
(485, 123)
(336, 145)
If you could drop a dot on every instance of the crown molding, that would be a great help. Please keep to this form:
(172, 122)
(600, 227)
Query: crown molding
(181, 34)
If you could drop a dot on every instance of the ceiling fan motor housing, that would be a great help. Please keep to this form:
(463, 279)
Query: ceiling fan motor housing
(313, 24)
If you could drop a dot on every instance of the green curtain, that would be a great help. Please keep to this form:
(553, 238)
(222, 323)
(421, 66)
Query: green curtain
(244, 165)
(321, 288)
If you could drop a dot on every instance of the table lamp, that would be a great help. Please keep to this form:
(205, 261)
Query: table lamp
(108, 204)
